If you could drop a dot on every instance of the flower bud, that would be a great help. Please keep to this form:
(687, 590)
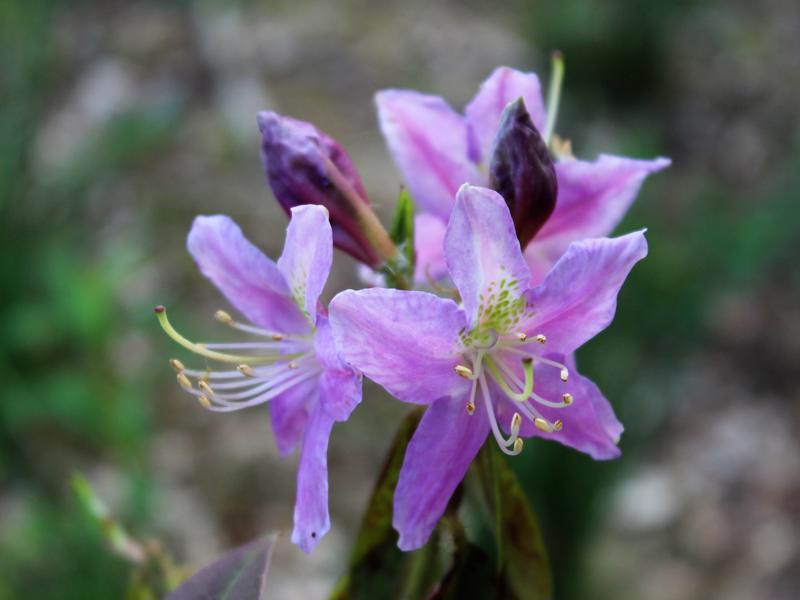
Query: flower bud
(522, 171)
(306, 166)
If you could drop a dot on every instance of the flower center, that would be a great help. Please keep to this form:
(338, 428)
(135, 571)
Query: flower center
(509, 362)
(264, 368)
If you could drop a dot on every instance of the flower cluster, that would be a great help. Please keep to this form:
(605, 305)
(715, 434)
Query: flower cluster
(507, 216)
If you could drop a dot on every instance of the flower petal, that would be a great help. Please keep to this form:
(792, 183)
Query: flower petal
(289, 414)
(428, 142)
(590, 425)
(405, 341)
(311, 519)
(593, 197)
(441, 450)
(249, 280)
(482, 251)
(429, 233)
(307, 256)
(483, 113)
(579, 296)
(340, 385)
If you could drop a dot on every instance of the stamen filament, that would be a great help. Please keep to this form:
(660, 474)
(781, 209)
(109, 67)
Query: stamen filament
(502, 442)
(224, 406)
(527, 365)
(161, 313)
(554, 93)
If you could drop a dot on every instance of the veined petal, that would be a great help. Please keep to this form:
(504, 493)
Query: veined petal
(405, 341)
(441, 450)
(340, 385)
(289, 413)
(579, 296)
(590, 425)
(428, 142)
(311, 519)
(592, 199)
(307, 256)
(483, 112)
(429, 233)
(483, 253)
(249, 280)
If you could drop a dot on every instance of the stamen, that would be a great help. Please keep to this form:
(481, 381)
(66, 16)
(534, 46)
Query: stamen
(205, 388)
(541, 338)
(246, 370)
(518, 444)
(223, 317)
(546, 426)
(502, 442)
(463, 371)
(177, 365)
(568, 399)
(516, 422)
(184, 382)
(521, 336)
(222, 405)
(204, 402)
(161, 313)
(470, 408)
(564, 375)
(554, 93)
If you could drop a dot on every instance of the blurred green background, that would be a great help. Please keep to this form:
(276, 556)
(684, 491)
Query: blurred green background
(120, 121)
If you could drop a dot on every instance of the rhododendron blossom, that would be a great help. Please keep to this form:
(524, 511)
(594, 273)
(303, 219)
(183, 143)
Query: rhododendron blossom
(499, 362)
(291, 362)
(437, 150)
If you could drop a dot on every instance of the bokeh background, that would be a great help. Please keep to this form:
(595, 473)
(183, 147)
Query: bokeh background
(120, 121)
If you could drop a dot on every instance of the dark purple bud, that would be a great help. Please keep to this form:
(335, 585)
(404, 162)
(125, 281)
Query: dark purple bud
(306, 166)
(522, 171)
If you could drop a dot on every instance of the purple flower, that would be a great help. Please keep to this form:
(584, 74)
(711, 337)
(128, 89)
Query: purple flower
(437, 150)
(500, 362)
(291, 362)
(306, 166)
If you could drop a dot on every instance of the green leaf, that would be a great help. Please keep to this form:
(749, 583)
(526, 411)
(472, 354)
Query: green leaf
(523, 563)
(470, 577)
(401, 268)
(378, 568)
(240, 574)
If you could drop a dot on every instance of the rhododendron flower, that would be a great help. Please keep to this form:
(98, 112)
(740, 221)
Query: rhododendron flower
(291, 363)
(437, 150)
(496, 363)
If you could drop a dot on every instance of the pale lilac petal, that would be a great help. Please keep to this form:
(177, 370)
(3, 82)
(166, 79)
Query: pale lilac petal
(249, 280)
(428, 142)
(311, 519)
(408, 342)
(590, 425)
(289, 414)
(593, 197)
(437, 458)
(340, 385)
(307, 256)
(504, 85)
(429, 233)
(579, 296)
(482, 251)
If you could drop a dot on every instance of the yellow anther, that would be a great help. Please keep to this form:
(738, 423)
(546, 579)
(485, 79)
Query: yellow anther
(567, 398)
(246, 370)
(470, 408)
(542, 425)
(205, 388)
(564, 374)
(521, 336)
(516, 422)
(184, 382)
(558, 425)
(541, 338)
(463, 371)
(293, 365)
(177, 365)
(518, 443)
(223, 317)
(204, 402)
(277, 337)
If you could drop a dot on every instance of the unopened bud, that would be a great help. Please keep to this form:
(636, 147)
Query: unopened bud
(522, 171)
(306, 166)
